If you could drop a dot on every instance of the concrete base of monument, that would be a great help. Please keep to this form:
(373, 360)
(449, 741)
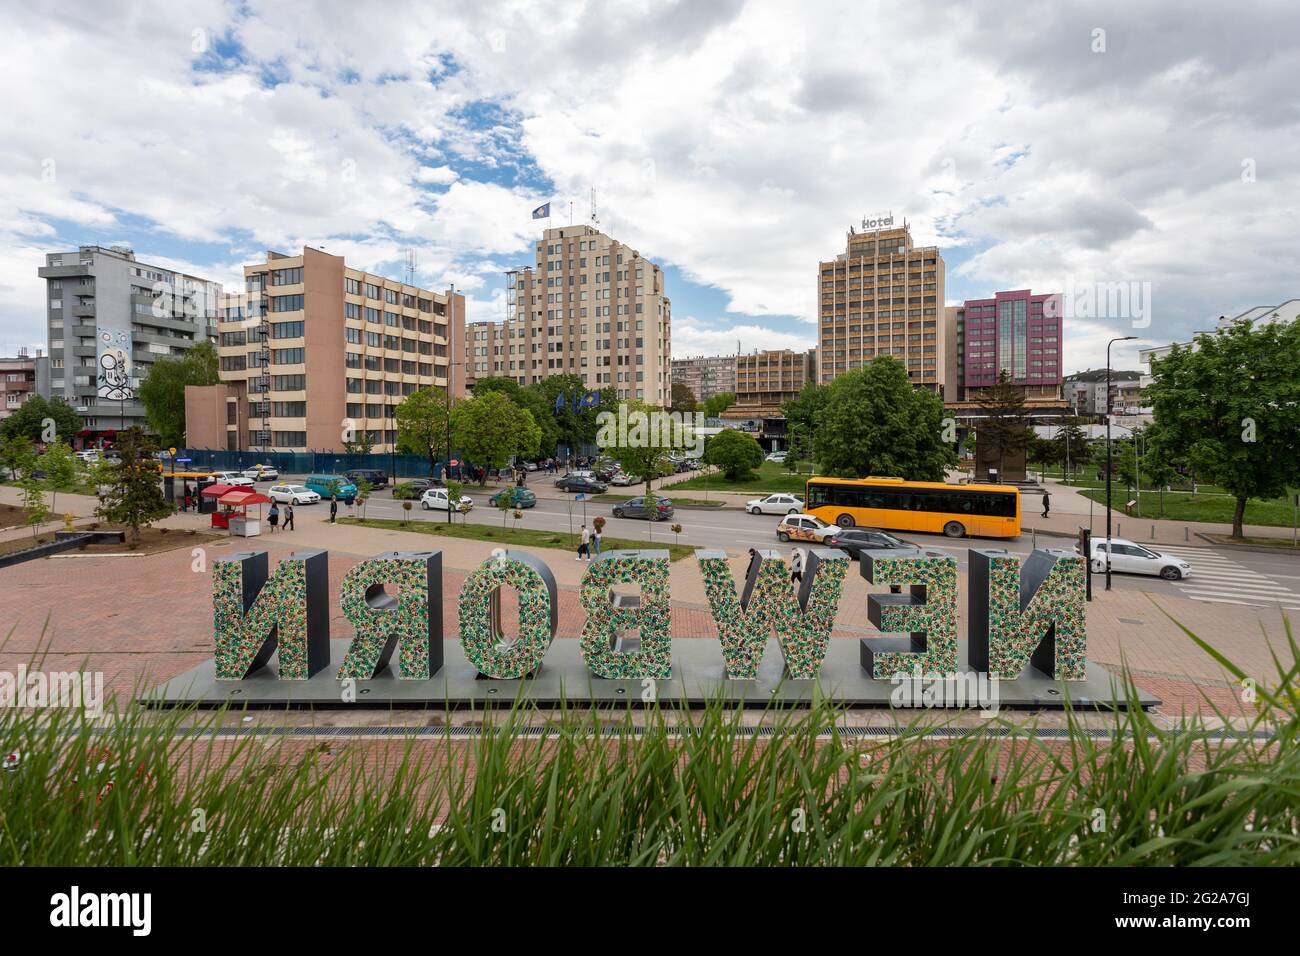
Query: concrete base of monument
(697, 678)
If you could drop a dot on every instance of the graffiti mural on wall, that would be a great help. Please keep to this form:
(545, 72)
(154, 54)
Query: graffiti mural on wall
(113, 354)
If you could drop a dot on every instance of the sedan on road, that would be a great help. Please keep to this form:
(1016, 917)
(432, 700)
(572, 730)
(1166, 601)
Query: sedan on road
(804, 528)
(649, 507)
(262, 473)
(775, 505)
(581, 485)
(623, 480)
(1135, 559)
(854, 541)
(416, 487)
(233, 478)
(292, 495)
(517, 498)
(438, 499)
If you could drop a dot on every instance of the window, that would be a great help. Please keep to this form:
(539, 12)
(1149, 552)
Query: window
(351, 310)
(286, 330)
(286, 303)
(289, 409)
(286, 276)
(289, 383)
(288, 356)
(290, 439)
(352, 286)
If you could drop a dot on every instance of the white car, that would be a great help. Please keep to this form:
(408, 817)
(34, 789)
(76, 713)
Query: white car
(88, 455)
(1135, 559)
(776, 456)
(438, 499)
(232, 478)
(804, 528)
(775, 505)
(262, 473)
(623, 480)
(293, 495)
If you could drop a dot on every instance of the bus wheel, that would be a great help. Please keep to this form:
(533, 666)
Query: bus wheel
(953, 529)
(845, 521)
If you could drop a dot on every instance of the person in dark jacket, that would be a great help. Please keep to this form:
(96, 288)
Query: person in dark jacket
(288, 517)
(334, 507)
(273, 516)
(1047, 503)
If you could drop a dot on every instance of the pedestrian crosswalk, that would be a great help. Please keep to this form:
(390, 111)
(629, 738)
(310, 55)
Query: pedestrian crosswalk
(1218, 579)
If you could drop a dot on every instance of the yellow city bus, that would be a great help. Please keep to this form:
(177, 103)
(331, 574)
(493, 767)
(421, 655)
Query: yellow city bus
(929, 507)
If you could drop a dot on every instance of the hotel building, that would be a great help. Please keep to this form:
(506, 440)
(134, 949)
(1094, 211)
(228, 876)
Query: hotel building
(315, 354)
(592, 307)
(884, 296)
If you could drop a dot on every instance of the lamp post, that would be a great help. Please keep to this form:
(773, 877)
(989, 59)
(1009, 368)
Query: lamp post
(451, 373)
(1122, 338)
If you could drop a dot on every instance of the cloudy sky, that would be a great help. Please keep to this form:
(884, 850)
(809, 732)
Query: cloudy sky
(734, 142)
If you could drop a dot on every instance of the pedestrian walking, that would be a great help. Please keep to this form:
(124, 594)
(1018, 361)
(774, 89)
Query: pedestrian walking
(1047, 503)
(288, 517)
(595, 540)
(273, 516)
(334, 508)
(584, 545)
(796, 565)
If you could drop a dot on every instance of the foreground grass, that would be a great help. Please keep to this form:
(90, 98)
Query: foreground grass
(769, 478)
(519, 537)
(148, 788)
(1184, 506)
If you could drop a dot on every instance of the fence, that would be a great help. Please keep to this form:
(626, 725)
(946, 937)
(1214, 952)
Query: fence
(308, 463)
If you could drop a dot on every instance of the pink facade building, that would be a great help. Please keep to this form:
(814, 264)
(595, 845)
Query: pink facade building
(1016, 332)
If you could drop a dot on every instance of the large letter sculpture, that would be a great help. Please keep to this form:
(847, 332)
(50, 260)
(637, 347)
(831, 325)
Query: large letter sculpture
(1026, 615)
(609, 615)
(927, 614)
(481, 635)
(802, 624)
(411, 621)
(254, 616)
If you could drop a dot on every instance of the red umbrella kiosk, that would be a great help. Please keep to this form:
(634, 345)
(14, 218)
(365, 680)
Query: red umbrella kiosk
(220, 517)
(236, 502)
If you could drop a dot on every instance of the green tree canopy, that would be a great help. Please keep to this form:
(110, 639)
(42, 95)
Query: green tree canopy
(683, 399)
(1003, 431)
(735, 452)
(491, 429)
(133, 495)
(422, 424)
(1230, 407)
(875, 423)
(641, 448)
(715, 405)
(30, 420)
(163, 390)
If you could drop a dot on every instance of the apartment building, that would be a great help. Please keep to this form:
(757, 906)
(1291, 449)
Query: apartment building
(591, 307)
(1015, 332)
(765, 379)
(885, 296)
(1085, 392)
(706, 375)
(17, 381)
(110, 316)
(316, 355)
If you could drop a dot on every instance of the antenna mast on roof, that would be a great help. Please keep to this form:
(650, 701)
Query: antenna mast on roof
(595, 221)
(410, 267)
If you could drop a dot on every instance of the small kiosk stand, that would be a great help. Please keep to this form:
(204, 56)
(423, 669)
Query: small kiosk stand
(235, 511)
(209, 503)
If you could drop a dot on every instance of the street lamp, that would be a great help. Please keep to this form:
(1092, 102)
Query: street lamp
(451, 365)
(1122, 338)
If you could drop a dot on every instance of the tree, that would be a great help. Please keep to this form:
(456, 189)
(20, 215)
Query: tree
(422, 425)
(60, 467)
(875, 423)
(163, 390)
(364, 490)
(735, 452)
(1230, 407)
(1071, 445)
(1157, 467)
(683, 399)
(574, 408)
(1003, 431)
(715, 405)
(640, 449)
(15, 452)
(492, 429)
(30, 420)
(801, 415)
(800, 446)
(34, 502)
(133, 495)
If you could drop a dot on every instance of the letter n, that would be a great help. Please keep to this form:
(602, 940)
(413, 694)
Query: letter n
(606, 646)
(254, 615)
(1030, 615)
(411, 621)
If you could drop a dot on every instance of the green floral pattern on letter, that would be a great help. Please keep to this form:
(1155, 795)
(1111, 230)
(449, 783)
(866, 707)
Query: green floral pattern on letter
(406, 620)
(934, 615)
(604, 620)
(479, 636)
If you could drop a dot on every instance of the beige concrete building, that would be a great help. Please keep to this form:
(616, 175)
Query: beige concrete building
(592, 307)
(313, 352)
(706, 375)
(765, 379)
(885, 296)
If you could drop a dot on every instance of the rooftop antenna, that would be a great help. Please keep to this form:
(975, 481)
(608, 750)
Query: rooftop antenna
(595, 221)
(410, 267)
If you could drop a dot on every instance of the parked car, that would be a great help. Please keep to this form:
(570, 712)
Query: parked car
(776, 456)
(854, 541)
(1135, 559)
(623, 480)
(439, 499)
(804, 528)
(293, 495)
(530, 466)
(650, 507)
(89, 455)
(581, 485)
(518, 498)
(779, 504)
(262, 473)
(233, 478)
(415, 487)
(346, 490)
(577, 473)
(377, 477)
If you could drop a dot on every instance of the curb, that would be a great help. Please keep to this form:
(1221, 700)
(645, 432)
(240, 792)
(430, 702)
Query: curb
(1257, 548)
